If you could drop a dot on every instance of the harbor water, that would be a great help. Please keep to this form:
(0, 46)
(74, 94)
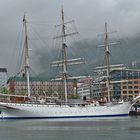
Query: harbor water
(115, 129)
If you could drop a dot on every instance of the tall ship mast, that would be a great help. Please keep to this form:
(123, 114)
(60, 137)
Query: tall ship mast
(65, 62)
(64, 55)
(107, 67)
(26, 49)
(107, 60)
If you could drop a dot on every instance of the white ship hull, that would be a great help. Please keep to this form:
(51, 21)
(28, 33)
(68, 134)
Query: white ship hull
(57, 112)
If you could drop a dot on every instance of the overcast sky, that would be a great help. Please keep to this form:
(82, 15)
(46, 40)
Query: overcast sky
(89, 16)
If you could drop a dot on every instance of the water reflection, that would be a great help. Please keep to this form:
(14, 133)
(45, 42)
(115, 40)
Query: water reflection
(89, 130)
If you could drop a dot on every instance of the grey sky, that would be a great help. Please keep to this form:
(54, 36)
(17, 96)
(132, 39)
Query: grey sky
(89, 15)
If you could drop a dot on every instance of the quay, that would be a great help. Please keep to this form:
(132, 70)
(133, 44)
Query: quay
(135, 110)
(134, 113)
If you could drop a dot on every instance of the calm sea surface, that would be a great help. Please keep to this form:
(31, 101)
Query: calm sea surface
(119, 129)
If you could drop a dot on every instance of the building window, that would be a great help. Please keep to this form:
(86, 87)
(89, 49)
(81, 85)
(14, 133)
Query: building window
(130, 87)
(135, 82)
(124, 92)
(135, 87)
(130, 74)
(135, 75)
(130, 82)
(124, 87)
(130, 92)
(136, 92)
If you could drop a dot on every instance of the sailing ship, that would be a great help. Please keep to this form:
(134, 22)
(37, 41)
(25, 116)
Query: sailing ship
(32, 110)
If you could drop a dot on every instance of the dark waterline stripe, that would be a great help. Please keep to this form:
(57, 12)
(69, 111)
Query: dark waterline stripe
(66, 117)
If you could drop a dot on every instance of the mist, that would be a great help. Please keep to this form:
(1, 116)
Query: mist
(89, 16)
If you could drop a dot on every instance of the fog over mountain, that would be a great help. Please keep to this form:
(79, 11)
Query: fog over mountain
(126, 52)
(89, 16)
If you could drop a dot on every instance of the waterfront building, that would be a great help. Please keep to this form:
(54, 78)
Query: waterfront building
(40, 86)
(3, 78)
(84, 88)
(130, 85)
(125, 84)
